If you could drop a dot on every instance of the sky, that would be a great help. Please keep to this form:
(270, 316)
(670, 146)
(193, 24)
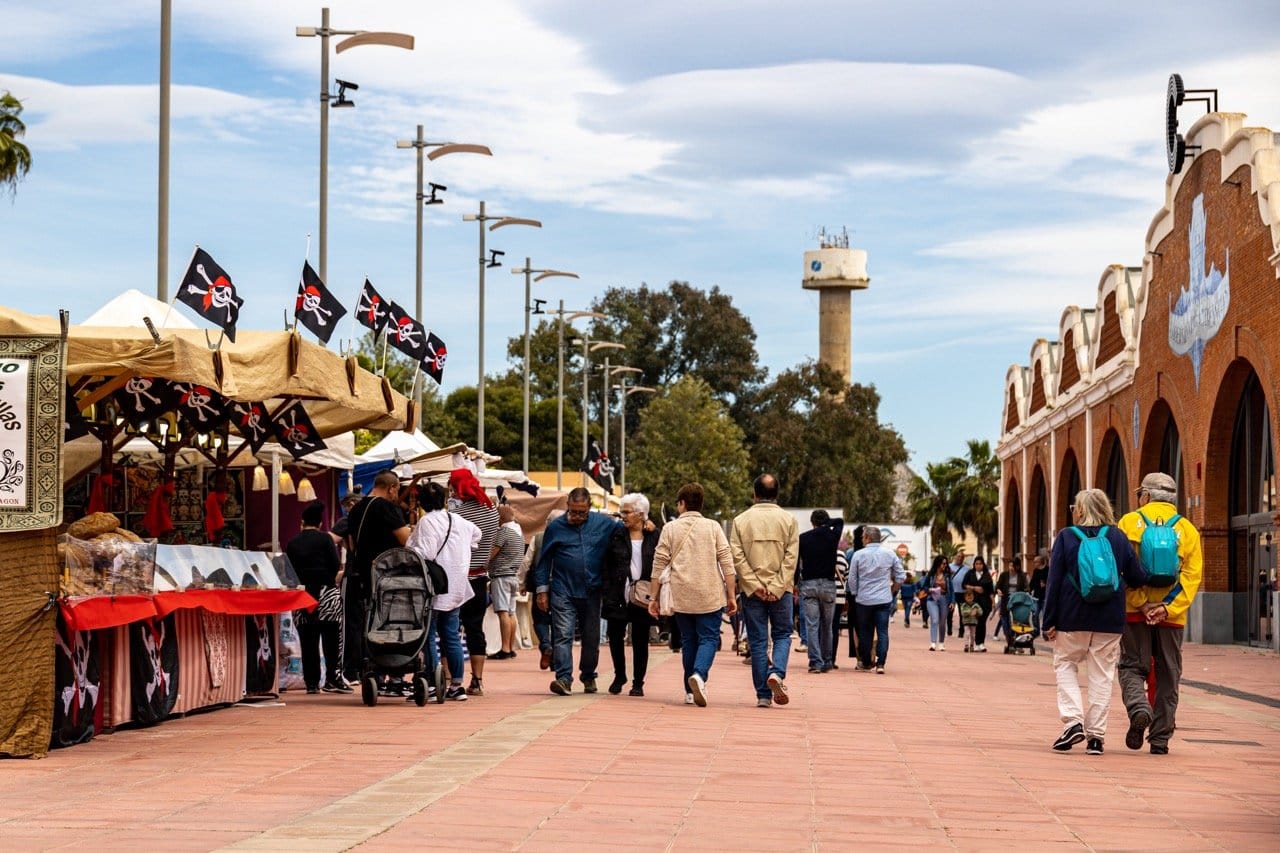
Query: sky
(992, 158)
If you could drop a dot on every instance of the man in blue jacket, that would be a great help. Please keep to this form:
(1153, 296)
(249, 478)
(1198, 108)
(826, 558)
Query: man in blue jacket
(569, 578)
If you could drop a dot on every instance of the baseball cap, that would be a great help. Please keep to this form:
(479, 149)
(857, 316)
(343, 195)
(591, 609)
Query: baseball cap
(1156, 481)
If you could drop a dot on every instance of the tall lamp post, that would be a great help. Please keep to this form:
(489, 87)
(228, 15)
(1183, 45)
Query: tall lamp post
(564, 317)
(162, 178)
(608, 398)
(528, 272)
(438, 149)
(588, 347)
(358, 38)
(485, 263)
(626, 391)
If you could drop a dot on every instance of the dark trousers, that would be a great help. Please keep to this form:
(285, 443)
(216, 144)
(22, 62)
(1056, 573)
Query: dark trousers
(1139, 645)
(980, 630)
(639, 620)
(874, 617)
(472, 614)
(851, 611)
(353, 607)
(310, 635)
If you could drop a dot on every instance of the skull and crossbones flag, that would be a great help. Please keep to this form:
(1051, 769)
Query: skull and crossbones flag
(434, 357)
(145, 398)
(598, 467)
(372, 310)
(316, 308)
(296, 433)
(207, 289)
(253, 422)
(201, 408)
(405, 333)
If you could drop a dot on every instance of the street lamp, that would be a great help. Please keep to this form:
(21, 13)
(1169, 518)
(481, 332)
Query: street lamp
(358, 38)
(438, 149)
(564, 317)
(588, 347)
(604, 414)
(492, 261)
(626, 391)
(528, 310)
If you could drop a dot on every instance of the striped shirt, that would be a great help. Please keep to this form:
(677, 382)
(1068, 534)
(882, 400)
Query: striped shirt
(486, 518)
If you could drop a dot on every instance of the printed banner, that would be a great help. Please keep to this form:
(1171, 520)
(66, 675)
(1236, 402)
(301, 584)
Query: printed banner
(32, 389)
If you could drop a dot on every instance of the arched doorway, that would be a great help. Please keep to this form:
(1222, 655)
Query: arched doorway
(1013, 520)
(1162, 448)
(1038, 512)
(1069, 487)
(1251, 504)
(1114, 474)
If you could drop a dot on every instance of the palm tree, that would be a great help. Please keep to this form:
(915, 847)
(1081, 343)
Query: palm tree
(977, 494)
(932, 502)
(15, 158)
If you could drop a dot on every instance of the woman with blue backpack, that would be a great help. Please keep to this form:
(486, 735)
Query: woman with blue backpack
(1084, 615)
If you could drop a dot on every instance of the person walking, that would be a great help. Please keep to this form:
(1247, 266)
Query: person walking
(692, 557)
(314, 557)
(958, 572)
(766, 544)
(980, 583)
(568, 579)
(450, 540)
(1039, 583)
(628, 579)
(1156, 616)
(818, 549)
(1011, 580)
(875, 575)
(471, 502)
(1084, 632)
(938, 584)
(505, 560)
(374, 525)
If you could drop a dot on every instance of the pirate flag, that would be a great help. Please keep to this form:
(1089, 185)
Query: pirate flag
(77, 682)
(316, 308)
(260, 658)
(202, 409)
(253, 422)
(372, 310)
(144, 398)
(598, 467)
(296, 433)
(153, 666)
(207, 289)
(405, 333)
(434, 357)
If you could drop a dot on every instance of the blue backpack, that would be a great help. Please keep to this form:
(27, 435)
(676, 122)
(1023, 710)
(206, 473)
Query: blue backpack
(1097, 578)
(1158, 551)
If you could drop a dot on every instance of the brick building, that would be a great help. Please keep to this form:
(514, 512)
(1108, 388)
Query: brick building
(1176, 367)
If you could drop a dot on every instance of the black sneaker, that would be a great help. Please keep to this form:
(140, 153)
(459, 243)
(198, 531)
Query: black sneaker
(1159, 749)
(1069, 738)
(1094, 747)
(615, 687)
(560, 688)
(588, 685)
(1137, 728)
(335, 687)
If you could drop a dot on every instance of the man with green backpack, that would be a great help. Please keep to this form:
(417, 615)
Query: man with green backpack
(1168, 547)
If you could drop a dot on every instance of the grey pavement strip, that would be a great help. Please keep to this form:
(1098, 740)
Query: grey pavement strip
(366, 813)
(1209, 687)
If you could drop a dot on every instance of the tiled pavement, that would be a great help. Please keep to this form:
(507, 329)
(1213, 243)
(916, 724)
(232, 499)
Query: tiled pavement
(945, 749)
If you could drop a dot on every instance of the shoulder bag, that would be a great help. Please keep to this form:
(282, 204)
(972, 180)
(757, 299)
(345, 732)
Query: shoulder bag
(666, 605)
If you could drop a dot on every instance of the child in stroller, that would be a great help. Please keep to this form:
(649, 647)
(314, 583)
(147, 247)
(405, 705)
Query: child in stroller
(1021, 632)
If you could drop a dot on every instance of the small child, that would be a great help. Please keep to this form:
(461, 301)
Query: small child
(970, 613)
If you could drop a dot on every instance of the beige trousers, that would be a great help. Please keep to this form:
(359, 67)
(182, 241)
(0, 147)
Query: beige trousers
(1099, 653)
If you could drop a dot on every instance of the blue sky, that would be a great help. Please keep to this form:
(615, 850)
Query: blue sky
(992, 158)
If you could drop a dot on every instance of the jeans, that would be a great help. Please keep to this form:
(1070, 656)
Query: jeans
(639, 620)
(937, 610)
(567, 615)
(768, 620)
(908, 593)
(447, 624)
(818, 598)
(699, 641)
(874, 616)
(542, 628)
(801, 624)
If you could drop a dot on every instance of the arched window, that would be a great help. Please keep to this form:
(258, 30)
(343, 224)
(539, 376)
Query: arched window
(1117, 478)
(1171, 459)
(1251, 503)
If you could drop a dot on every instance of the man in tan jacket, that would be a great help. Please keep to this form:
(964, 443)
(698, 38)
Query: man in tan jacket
(765, 541)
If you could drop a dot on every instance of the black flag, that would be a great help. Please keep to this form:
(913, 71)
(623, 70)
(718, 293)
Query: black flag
(434, 358)
(405, 333)
(207, 289)
(316, 308)
(253, 422)
(296, 432)
(372, 310)
(202, 409)
(598, 467)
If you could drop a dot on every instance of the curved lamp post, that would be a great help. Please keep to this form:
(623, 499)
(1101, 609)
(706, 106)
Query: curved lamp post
(564, 317)
(358, 39)
(498, 222)
(529, 271)
(626, 391)
(608, 397)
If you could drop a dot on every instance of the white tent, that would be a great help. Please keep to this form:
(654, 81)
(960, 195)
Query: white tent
(130, 307)
(400, 446)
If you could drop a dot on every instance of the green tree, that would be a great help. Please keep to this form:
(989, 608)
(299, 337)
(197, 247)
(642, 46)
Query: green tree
(824, 441)
(437, 423)
(15, 158)
(933, 503)
(978, 494)
(686, 436)
(504, 420)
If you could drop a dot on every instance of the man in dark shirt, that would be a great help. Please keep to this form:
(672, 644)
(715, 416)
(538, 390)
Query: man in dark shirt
(373, 525)
(1039, 583)
(817, 576)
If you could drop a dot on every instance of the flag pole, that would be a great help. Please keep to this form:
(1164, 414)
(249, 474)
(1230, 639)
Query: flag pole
(382, 371)
(351, 340)
(178, 289)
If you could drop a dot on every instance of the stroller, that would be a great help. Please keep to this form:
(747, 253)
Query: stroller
(399, 625)
(1021, 634)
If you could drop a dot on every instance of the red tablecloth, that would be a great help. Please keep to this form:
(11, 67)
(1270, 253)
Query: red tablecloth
(89, 613)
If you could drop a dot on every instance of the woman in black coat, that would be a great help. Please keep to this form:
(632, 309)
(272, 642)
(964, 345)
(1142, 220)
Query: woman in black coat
(628, 563)
(979, 580)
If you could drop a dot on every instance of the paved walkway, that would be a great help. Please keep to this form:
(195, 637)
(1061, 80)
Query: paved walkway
(945, 749)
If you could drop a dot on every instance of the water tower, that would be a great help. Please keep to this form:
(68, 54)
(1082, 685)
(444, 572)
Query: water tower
(835, 270)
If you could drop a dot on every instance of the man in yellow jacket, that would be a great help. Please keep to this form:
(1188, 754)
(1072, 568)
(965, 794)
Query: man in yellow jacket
(1155, 619)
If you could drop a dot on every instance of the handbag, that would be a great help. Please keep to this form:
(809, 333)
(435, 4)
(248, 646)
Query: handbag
(435, 571)
(641, 594)
(330, 606)
(666, 606)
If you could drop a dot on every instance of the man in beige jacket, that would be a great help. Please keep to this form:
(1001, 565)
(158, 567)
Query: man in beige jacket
(765, 541)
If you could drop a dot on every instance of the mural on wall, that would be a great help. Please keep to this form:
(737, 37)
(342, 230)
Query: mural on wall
(1197, 315)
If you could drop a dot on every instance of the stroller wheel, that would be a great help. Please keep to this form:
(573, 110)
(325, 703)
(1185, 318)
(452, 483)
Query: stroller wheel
(419, 690)
(439, 680)
(369, 691)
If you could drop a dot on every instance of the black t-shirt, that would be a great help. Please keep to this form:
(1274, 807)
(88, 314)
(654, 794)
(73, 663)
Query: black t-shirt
(818, 551)
(314, 558)
(372, 524)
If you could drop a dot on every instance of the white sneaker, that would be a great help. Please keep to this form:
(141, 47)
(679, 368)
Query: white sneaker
(933, 647)
(698, 690)
(942, 647)
(778, 688)
(688, 698)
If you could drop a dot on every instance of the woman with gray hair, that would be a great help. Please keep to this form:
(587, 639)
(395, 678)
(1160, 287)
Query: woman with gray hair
(628, 572)
(1083, 631)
